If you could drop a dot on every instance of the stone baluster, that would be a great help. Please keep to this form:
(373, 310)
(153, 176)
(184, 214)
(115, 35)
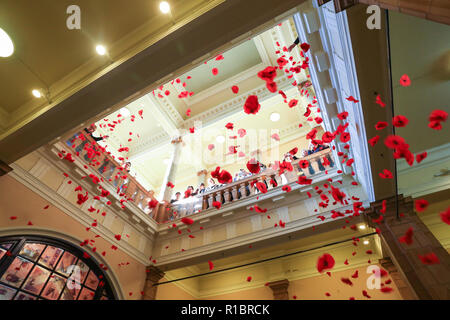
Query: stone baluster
(234, 192)
(227, 195)
(243, 190)
(210, 200)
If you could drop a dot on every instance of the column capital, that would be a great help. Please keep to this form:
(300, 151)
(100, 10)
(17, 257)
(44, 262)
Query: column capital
(154, 274)
(279, 289)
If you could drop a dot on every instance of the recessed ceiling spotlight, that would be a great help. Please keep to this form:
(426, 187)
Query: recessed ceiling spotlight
(6, 44)
(274, 116)
(362, 227)
(220, 139)
(36, 93)
(164, 6)
(101, 50)
(366, 242)
(124, 112)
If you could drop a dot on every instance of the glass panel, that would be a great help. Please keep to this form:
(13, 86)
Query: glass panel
(72, 292)
(86, 294)
(6, 245)
(84, 269)
(32, 250)
(66, 261)
(17, 272)
(50, 257)
(2, 253)
(6, 293)
(92, 280)
(36, 280)
(54, 287)
(24, 296)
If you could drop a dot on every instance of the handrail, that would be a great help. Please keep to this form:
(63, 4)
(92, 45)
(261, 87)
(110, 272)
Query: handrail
(244, 188)
(127, 187)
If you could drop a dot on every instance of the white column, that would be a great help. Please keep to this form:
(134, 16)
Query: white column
(166, 192)
(202, 177)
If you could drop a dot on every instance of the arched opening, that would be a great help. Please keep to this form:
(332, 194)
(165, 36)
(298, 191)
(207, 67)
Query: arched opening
(45, 268)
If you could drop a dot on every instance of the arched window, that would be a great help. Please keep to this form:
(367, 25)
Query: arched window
(44, 268)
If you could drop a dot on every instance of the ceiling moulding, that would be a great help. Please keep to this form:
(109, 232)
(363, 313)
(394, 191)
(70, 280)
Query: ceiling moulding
(167, 108)
(235, 105)
(4, 119)
(122, 50)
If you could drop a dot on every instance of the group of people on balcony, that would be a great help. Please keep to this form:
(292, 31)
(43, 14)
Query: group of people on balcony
(243, 174)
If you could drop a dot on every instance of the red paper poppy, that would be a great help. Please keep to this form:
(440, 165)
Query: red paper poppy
(153, 203)
(374, 140)
(380, 102)
(217, 205)
(343, 115)
(393, 141)
(286, 188)
(400, 121)
(303, 164)
(337, 194)
(170, 184)
(421, 204)
(445, 216)
(325, 262)
(381, 125)
(229, 126)
(225, 177)
(305, 47)
(253, 166)
(210, 146)
(242, 132)
(215, 71)
(405, 81)
(187, 221)
(261, 186)
(407, 237)
(192, 130)
(235, 89)
(386, 174)
(259, 209)
(327, 137)
(272, 86)
(345, 137)
(303, 180)
(275, 136)
(252, 105)
(118, 237)
(268, 74)
(347, 281)
(430, 258)
(211, 265)
(282, 62)
(352, 99)
(293, 151)
(421, 156)
(293, 103)
(249, 279)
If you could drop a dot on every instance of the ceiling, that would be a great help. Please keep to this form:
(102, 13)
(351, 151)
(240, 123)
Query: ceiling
(212, 106)
(421, 49)
(50, 56)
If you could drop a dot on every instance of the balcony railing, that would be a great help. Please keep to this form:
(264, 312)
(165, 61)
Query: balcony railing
(241, 189)
(127, 187)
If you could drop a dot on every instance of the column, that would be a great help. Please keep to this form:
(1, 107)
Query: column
(397, 278)
(426, 281)
(202, 174)
(280, 289)
(153, 276)
(166, 192)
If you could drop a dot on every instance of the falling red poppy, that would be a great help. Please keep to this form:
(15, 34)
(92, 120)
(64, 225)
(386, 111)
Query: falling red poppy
(325, 262)
(429, 258)
(229, 126)
(286, 188)
(253, 166)
(407, 237)
(268, 74)
(293, 103)
(405, 81)
(235, 89)
(352, 99)
(217, 204)
(400, 121)
(380, 102)
(381, 125)
(272, 86)
(374, 140)
(187, 221)
(421, 204)
(215, 71)
(305, 47)
(421, 156)
(211, 265)
(252, 105)
(343, 115)
(445, 216)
